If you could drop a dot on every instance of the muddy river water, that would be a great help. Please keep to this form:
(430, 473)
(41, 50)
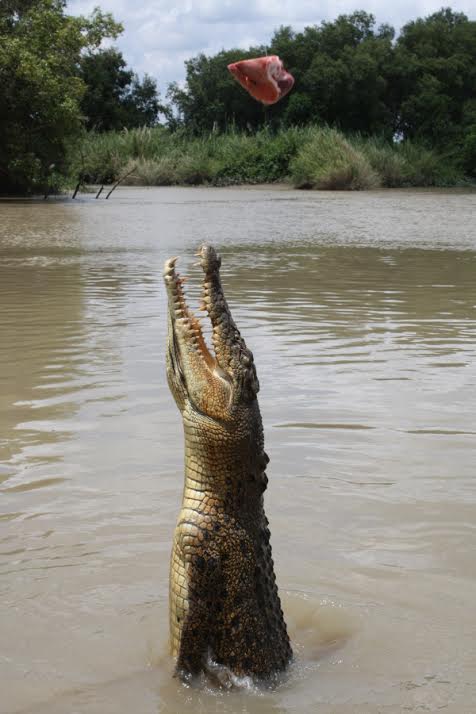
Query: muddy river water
(361, 313)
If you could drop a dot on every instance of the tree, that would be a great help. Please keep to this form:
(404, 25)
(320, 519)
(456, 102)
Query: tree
(142, 103)
(212, 98)
(340, 69)
(40, 90)
(351, 74)
(340, 72)
(434, 83)
(115, 97)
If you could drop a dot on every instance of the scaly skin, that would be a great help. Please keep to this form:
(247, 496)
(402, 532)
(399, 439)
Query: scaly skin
(224, 603)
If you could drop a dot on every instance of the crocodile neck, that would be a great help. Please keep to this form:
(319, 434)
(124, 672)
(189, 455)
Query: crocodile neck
(227, 477)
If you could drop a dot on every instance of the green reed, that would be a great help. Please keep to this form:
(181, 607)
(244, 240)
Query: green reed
(306, 157)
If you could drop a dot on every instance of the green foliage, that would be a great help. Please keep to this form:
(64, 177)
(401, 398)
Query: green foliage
(416, 94)
(115, 97)
(141, 103)
(40, 91)
(311, 157)
(213, 99)
(102, 157)
(152, 172)
(409, 163)
(354, 76)
(329, 161)
(468, 152)
(345, 76)
(424, 167)
(163, 157)
(339, 69)
(386, 160)
(434, 81)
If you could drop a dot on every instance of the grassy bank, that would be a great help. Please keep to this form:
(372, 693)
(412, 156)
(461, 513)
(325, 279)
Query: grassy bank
(310, 157)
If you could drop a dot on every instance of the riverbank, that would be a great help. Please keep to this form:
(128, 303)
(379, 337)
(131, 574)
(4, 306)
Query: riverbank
(310, 157)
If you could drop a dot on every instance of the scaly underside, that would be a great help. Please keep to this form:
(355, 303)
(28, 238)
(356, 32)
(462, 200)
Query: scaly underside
(224, 603)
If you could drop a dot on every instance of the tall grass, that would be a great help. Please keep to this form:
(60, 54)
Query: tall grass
(386, 160)
(408, 164)
(306, 157)
(329, 161)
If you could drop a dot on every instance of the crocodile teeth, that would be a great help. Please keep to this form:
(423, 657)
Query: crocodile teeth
(170, 266)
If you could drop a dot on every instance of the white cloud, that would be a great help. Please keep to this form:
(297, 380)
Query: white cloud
(160, 35)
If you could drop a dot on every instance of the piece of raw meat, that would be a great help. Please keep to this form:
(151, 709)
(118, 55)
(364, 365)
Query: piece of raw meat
(264, 78)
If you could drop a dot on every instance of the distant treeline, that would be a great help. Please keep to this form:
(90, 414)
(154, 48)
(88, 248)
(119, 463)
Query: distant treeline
(356, 77)
(414, 93)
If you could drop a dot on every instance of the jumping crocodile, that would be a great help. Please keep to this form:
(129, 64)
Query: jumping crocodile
(224, 604)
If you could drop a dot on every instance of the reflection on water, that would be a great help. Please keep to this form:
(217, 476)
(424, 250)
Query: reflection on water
(360, 310)
(37, 356)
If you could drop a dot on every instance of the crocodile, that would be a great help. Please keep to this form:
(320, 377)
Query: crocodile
(225, 609)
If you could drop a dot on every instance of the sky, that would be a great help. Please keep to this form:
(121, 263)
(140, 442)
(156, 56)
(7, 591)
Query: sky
(159, 35)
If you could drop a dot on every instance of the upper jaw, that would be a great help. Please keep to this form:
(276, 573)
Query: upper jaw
(231, 352)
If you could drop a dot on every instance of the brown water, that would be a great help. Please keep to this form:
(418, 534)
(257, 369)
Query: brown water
(361, 312)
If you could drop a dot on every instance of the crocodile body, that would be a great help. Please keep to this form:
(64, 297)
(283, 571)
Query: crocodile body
(224, 603)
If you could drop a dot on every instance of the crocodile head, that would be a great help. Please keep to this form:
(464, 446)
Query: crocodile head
(215, 384)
